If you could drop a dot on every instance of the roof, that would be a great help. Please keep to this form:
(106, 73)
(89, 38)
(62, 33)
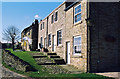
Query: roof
(26, 29)
(68, 7)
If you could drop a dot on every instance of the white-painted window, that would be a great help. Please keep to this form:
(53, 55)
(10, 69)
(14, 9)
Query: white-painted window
(59, 37)
(77, 44)
(49, 39)
(43, 25)
(77, 13)
(52, 19)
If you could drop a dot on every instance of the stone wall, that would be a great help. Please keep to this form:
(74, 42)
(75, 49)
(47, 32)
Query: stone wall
(54, 27)
(15, 62)
(105, 34)
(77, 29)
(43, 32)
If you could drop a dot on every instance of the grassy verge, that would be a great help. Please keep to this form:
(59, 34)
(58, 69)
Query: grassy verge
(25, 55)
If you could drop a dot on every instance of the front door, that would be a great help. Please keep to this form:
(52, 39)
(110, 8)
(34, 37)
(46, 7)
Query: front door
(53, 44)
(68, 52)
(45, 42)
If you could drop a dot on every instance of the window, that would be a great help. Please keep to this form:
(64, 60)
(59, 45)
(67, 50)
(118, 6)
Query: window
(77, 45)
(41, 42)
(29, 33)
(77, 13)
(52, 19)
(41, 27)
(59, 37)
(56, 16)
(49, 39)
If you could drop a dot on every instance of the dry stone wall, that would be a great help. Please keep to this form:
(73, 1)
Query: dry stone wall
(15, 62)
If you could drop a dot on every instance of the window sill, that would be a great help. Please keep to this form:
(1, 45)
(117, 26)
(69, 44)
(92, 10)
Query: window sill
(79, 22)
(50, 46)
(60, 45)
(77, 56)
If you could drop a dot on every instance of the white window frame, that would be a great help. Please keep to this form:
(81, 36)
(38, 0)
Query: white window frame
(61, 37)
(48, 40)
(43, 25)
(56, 16)
(52, 18)
(80, 45)
(77, 13)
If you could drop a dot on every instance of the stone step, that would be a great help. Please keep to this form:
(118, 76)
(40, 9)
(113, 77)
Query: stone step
(54, 56)
(46, 63)
(51, 54)
(59, 61)
(39, 56)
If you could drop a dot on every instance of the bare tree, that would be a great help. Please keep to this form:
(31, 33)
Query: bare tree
(11, 34)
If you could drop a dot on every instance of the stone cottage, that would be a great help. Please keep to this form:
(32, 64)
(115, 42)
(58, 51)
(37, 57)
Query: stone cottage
(85, 34)
(29, 37)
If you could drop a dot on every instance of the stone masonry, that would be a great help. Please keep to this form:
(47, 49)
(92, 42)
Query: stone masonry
(15, 62)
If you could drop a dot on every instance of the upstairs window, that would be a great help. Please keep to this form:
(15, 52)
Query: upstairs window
(59, 37)
(56, 16)
(77, 45)
(52, 19)
(77, 13)
(41, 27)
(49, 39)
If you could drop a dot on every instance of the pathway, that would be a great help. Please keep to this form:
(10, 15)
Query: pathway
(71, 68)
(111, 74)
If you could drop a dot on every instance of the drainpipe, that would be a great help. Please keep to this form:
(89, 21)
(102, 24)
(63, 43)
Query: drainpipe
(88, 36)
(47, 32)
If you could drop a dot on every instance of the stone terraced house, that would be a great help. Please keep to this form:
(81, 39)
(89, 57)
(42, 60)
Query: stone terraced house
(85, 34)
(29, 37)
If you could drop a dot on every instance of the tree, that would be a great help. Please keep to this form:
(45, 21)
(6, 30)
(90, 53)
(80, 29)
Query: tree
(11, 34)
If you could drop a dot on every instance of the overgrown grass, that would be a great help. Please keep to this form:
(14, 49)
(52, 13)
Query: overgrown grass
(25, 55)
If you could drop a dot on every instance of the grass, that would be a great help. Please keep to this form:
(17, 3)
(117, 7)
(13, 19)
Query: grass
(25, 55)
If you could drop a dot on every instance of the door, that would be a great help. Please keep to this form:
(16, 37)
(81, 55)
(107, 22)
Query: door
(45, 42)
(68, 52)
(53, 44)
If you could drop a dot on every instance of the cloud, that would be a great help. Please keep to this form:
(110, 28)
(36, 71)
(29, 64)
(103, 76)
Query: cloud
(37, 16)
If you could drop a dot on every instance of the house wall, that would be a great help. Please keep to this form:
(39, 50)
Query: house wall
(27, 33)
(77, 29)
(32, 33)
(42, 33)
(104, 56)
(54, 27)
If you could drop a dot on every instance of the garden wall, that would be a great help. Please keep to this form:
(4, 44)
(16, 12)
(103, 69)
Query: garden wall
(15, 62)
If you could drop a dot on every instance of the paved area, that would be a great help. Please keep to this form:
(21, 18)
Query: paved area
(111, 74)
(72, 69)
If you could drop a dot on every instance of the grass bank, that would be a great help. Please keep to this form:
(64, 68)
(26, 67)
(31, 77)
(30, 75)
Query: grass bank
(26, 56)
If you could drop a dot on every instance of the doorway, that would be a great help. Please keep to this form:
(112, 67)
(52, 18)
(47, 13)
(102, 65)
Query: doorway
(68, 52)
(53, 43)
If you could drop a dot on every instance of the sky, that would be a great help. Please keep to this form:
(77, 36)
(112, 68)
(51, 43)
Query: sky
(22, 14)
